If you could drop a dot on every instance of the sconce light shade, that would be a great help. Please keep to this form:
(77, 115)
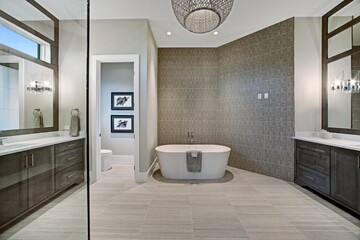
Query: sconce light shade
(348, 85)
(201, 16)
(39, 87)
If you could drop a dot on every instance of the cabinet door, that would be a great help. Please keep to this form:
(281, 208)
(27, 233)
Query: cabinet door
(41, 178)
(345, 176)
(13, 186)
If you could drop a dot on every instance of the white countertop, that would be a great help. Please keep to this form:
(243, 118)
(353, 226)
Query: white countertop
(35, 143)
(337, 141)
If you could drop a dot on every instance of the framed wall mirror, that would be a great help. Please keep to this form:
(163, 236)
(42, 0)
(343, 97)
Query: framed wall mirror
(341, 68)
(28, 68)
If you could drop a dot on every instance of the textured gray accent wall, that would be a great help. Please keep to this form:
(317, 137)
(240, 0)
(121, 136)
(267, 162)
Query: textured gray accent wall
(213, 92)
(259, 131)
(188, 95)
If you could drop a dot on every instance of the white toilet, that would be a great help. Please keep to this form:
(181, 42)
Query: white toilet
(105, 159)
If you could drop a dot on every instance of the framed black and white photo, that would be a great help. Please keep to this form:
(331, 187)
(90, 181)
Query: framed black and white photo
(122, 123)
(122, 101)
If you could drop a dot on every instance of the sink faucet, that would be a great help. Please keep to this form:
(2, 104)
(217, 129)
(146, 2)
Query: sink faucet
(191, 138)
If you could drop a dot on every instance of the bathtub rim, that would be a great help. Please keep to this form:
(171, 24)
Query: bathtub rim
(159, 150)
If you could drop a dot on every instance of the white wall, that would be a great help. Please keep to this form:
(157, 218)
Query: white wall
(151, 134)
(72, 74)
(110, 37)
(307, 74)
(115, 77)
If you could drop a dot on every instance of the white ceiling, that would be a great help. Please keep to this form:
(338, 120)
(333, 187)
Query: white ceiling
(247, 16)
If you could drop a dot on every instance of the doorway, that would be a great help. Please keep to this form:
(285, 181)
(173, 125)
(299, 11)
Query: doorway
(99, 122)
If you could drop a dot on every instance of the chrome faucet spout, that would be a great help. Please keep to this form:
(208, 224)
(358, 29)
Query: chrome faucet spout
(192, 138)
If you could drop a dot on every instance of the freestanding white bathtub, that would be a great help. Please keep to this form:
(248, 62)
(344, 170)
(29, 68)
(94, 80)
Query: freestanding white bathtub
(172, 160)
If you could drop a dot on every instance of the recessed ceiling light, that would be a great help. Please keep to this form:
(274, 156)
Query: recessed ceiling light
(168, 33)
(216, 33)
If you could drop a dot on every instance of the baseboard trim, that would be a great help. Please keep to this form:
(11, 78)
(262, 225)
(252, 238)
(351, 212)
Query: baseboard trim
(143, 177)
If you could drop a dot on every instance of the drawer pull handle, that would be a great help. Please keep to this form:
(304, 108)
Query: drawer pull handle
(26, 161)
(32, 160)
(71, 145)
(318, 150)
(311, 178)
(71, 158)
(314, 149)
(71, 175)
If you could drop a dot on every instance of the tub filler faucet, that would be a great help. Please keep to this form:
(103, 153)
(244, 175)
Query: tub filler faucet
(191, 138)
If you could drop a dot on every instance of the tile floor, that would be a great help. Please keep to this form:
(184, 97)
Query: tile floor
(250, 206)
(64, 218)
(246, 206)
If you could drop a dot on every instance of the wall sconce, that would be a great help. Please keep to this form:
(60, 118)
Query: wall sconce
(350, 85)
(39, 87)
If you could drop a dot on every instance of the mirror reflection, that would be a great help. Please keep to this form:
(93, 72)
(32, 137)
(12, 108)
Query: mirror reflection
(356, 35)
(340, 42)
(344, 15)
(348, 38)
(27, 93)
(344, 92)
(30, 16)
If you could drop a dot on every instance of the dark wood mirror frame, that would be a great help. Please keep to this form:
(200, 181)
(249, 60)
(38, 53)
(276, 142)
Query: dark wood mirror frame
(326, 60)
(54, 64)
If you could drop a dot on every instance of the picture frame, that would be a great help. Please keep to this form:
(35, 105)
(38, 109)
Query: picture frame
(122, 123)
(122, 101)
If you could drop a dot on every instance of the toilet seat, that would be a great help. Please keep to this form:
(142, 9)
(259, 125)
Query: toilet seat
(105, 152)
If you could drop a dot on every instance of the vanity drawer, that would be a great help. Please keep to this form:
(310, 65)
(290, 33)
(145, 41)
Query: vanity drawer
(314, 160)
(313, 179)
(319, 148)
(68, 158)
(68, 146)
(68, 176)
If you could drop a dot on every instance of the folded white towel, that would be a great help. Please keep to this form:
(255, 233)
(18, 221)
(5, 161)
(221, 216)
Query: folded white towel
(194, 154)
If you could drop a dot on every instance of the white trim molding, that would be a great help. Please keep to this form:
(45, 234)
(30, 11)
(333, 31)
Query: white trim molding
(143, 177)
(95, 128)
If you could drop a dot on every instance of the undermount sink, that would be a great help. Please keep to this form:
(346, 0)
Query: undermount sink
(12, 146)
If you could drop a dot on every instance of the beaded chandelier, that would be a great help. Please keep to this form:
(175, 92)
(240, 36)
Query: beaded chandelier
(201, 16)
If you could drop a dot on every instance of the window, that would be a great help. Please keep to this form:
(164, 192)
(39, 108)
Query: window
(17, 41)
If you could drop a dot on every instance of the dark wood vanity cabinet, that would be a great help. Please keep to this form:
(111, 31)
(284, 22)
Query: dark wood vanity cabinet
(30, 178)
(26, 179)
(331, 171)
(313, 166)
(41, 180)
(345, 177)
(13, 186)
(69, 163)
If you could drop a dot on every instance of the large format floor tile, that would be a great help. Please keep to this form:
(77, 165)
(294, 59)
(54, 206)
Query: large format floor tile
(248, 206)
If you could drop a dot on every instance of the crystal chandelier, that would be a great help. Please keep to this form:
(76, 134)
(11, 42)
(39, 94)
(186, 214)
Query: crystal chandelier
(201, 16)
